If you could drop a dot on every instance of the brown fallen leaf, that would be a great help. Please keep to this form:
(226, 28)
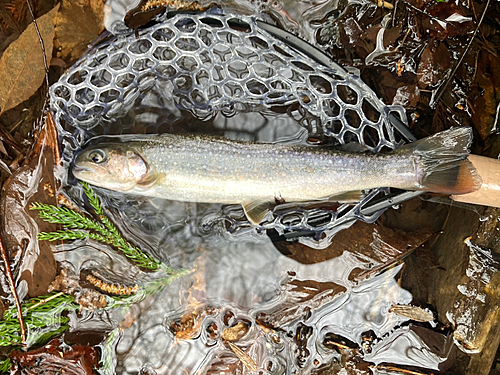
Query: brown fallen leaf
(415, 313)
(55, 358)
(235, 333)
(78, 23)
(22, 69)
(31, 261)
(243, 357)
(382, 245)
(302, 297)
(485, 92)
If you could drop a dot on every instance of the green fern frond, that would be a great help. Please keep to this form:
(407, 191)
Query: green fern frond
(93, 198)
(37, 318)
(78, 227)
(62, 235)
(66, 217)
(156, 286)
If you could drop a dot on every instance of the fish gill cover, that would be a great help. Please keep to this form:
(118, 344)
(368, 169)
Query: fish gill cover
(205, 68)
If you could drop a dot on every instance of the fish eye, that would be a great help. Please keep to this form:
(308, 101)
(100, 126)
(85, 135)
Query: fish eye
(97, 156)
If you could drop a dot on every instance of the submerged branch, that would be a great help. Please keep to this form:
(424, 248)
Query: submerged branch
(12, 285)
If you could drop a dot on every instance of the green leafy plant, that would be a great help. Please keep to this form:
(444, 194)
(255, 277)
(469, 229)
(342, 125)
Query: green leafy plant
(44, 319)
(78, 227)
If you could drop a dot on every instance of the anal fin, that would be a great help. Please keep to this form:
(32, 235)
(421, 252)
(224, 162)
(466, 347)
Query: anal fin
(256, 210)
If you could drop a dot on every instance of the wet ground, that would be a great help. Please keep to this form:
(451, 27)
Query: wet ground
(416, 292)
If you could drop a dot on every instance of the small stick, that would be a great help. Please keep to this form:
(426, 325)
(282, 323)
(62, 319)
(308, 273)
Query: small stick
(41, 43)
(45, 300)
(20, 121)
(12, 285)
(5, 259)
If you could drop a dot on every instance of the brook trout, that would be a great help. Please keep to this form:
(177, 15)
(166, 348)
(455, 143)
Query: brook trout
(206, 169)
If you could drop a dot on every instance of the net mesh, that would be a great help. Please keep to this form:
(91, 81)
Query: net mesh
(204, 65)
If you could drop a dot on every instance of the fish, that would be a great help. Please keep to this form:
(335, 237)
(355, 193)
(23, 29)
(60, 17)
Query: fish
(199, 168)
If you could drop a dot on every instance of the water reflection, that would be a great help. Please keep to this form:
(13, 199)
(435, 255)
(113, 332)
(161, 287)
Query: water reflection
(296, 318)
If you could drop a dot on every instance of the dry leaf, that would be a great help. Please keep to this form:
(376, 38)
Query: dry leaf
(243, 357)
(415, 313)
(77, 24)
(22, 70)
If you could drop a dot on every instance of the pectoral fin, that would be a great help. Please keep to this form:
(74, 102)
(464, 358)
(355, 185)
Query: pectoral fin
(257, 210)
(347, 197)
(149, 180)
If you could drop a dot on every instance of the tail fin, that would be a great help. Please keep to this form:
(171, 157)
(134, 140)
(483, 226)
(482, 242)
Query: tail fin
(443, 166)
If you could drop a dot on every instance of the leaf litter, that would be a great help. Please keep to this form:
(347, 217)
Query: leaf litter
(22, 70)
(78, 23)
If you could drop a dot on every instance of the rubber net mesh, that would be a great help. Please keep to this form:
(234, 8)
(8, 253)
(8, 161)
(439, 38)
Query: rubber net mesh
(225, 71)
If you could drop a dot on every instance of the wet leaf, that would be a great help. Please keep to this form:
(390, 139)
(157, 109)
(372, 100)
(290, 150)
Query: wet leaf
(426, 73)
(243, 357)
(55, 358)
(407, 96)
(235, 333)
(32, 261)
(302, 296)
(22, 70)
(485, 94)
(78, 23)
(381, 245)
(415, 313)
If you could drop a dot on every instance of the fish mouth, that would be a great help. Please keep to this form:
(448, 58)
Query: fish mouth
(84, 173)
(79, 168)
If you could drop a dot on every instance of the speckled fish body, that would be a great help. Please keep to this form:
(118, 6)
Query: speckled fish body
(213, 170)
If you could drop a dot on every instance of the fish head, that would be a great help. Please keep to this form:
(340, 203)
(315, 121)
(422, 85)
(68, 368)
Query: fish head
(111, 166)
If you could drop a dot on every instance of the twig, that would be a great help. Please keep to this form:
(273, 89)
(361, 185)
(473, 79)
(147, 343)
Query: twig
(400, 370)
(451, 73)
(7, 140)
(6, 137)
(12, 285)
(44, 301)
(439, 20)
(21, 120)
(482, 35)
(41, 43)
